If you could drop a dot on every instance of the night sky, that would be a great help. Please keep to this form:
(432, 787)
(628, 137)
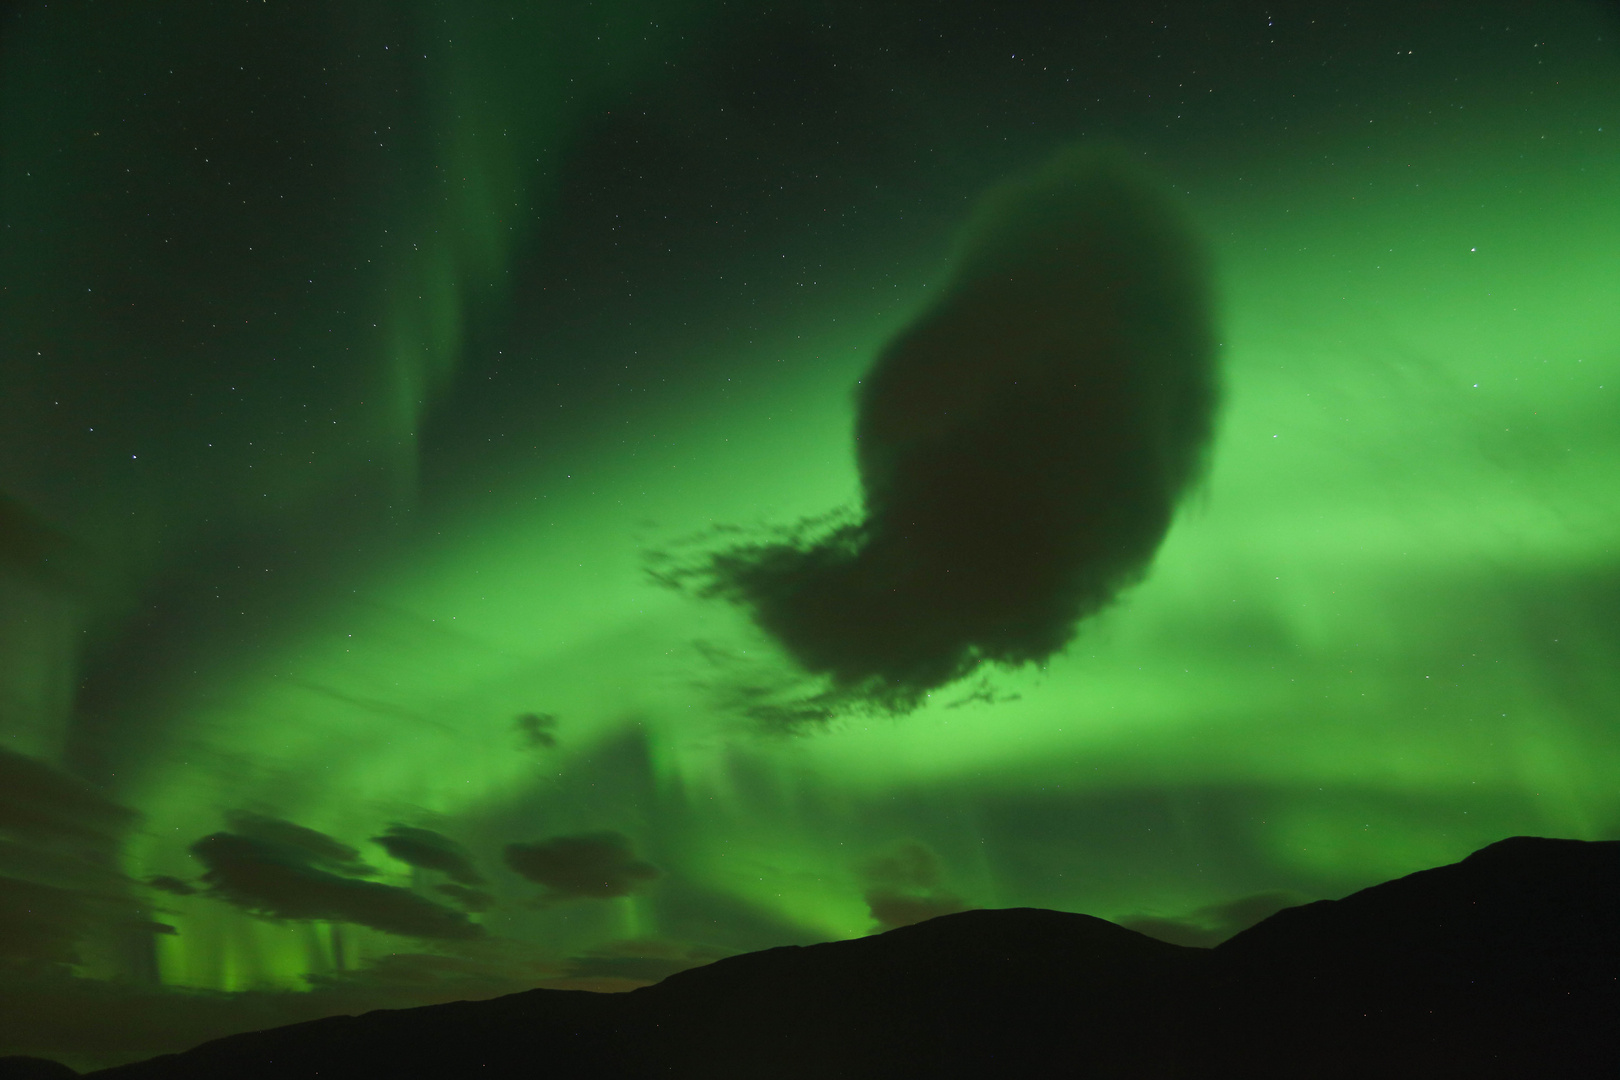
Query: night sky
(500, 495)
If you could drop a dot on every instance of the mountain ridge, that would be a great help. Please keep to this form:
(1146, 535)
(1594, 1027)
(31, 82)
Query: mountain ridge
(1504, 964)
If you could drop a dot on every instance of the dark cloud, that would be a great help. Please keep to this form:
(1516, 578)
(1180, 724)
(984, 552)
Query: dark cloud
(60, 882)
(430, 851)
(283, 882)
(592, 866)
(905, 885)
(39, 923)
(46, 805)
(538, 730)
(1209, 926)
(165, 883)
(1021, 446)
(311, 846)
(469, 899)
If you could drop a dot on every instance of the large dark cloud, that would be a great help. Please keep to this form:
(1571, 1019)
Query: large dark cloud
(591, 866)
(431, 851)
(284, 882)
(1021, 446)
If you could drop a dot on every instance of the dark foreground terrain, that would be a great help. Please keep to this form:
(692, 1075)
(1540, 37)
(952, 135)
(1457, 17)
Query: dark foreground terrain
(1506, 964)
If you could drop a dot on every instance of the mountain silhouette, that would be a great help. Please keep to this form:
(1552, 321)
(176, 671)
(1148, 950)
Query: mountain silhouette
(1506, 964)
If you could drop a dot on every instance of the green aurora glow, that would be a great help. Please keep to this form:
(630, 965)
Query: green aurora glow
(1380, 635)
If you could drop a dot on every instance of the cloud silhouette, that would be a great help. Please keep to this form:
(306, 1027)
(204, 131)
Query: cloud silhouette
(591, 866)
(284, 882)
(905, 885)
(430, 851)
(311, 845)
(39, 923)
(1021, 446)
(539, 730)
(168, 884)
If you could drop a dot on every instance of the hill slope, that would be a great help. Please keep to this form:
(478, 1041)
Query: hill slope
(1506, 964)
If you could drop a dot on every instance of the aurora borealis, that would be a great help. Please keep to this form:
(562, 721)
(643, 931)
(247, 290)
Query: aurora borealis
(364, 374)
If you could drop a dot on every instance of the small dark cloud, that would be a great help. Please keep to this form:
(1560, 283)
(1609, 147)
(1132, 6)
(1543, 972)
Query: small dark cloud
(538, 730)
(905, 885)
(285, 882)
(1209, 926)
(981, 693)
(592, 866)
(165, 883)
(1021, 447)
(474, 900)
(430, 851)
(311, 845)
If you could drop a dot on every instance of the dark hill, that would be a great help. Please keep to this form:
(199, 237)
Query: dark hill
(1506, 964)
(1508, 961)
